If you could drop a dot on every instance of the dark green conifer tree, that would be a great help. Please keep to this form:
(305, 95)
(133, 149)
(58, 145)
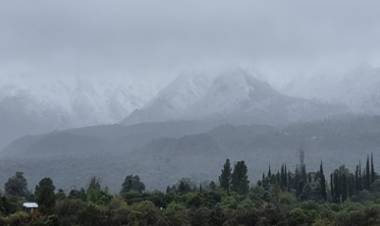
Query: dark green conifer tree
(269, 172)
(367, 175)
(225, 177)
(332, 191)
(45, 195)
(240, 182)
(373, 173)
(322, 181)
(132, 183)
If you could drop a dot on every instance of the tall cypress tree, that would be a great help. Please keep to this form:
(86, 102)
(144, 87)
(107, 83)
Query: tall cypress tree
(344, 188)
(367, 175)
(322, 181)
(286, 180)
(284, 177)
(373, 174)
(357, 180)
(332, 189)
(360, 177)
(298, 182)
(240, 182)
(225, 177)
(278, 178)
(337, 189)
(269, 172)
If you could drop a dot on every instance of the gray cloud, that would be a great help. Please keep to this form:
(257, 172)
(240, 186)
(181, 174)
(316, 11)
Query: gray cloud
(159, 39)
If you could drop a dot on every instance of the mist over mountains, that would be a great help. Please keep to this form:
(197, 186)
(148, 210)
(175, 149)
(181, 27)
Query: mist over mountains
(188, 128)
(232, 97)
(32, 106)
(358, 89)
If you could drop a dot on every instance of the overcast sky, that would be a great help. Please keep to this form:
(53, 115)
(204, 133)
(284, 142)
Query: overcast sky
(155, 40)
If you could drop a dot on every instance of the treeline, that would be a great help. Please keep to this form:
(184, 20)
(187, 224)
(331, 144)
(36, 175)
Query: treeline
(305, 185)
(281, 197)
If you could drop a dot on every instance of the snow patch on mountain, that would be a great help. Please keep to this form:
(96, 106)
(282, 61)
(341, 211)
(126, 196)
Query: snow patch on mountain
(29, 105)
(234, 96)
(358, 89)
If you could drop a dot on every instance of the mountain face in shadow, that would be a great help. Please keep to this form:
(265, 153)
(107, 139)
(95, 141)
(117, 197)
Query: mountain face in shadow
(161, 153)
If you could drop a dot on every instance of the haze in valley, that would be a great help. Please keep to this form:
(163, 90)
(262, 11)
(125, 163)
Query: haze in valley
(111, 88)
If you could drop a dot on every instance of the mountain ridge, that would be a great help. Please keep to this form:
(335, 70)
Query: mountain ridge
(168, 154)
(234, 97)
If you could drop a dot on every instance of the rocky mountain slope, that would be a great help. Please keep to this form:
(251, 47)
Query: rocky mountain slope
(161, 153)
(28, 106)
(235, 97)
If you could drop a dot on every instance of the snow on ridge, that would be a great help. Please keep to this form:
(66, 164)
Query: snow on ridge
(359, 89)
(82, 101)
(197, 95)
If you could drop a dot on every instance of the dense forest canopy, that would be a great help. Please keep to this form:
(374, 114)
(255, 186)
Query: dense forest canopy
(281, 197)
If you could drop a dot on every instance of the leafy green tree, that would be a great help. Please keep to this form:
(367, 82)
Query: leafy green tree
(146, 213)
(200, 216)
(96, 194)
(132, 183)
(60, 195)
(217, 217)
(176, 214)
(17, 185)
(68, 211)
(45, 196)
(225, 177)
(78, 194)
(185, 185)
(93, 215)
(239, 181)
(298, 216)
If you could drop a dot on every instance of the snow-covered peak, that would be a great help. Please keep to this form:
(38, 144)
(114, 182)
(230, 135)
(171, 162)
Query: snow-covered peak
(183, 91)
(83, 101)
(197, 96)
(231, 92)
(29, 105)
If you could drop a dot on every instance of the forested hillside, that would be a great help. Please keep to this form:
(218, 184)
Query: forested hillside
(161, 153)
(283, 196)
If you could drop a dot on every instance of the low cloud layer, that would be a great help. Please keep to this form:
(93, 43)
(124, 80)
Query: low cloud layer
(156, 40)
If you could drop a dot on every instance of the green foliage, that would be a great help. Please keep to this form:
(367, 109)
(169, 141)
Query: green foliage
(185, 185)
(225, 177)
(60, 195)
(239, 179)
(132, 183)
(78, 194)
(67, 211)
(17, 186)
(146, 213)
(44, 193)
(177, 214)
(93, 215)
(96, 194)
(17, 219)
(278, 199)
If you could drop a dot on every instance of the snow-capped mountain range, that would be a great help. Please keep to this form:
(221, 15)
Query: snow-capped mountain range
(230, 97)
(30, 106)
(358, 89)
